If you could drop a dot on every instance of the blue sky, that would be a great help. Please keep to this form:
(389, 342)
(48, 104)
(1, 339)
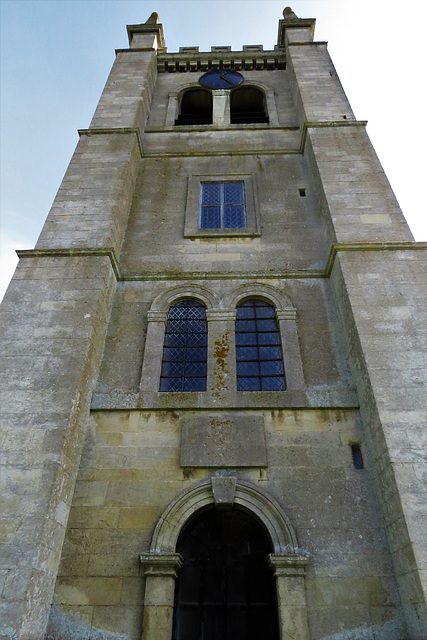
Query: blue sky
(56, 55)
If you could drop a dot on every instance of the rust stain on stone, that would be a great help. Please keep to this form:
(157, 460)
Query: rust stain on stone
(221, 350)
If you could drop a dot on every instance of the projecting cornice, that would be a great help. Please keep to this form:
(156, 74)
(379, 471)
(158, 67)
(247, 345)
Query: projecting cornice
(253, 57)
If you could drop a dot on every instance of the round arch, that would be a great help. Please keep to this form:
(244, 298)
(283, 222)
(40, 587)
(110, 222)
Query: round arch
(258, 290)
(165, 299)
(244, 494)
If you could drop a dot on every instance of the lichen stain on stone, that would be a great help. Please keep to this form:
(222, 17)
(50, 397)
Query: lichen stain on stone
(221, 350)
(220, 425)
(64, 625)
(391, 630)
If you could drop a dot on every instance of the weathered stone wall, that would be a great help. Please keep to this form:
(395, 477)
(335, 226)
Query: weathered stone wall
(382, 304)
(131, 471)
(54, 318)
(327, 245)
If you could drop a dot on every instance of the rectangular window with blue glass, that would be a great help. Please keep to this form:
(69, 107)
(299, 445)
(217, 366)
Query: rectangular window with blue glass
(222, 205)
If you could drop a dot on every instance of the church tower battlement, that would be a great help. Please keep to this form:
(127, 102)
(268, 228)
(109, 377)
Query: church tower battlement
(213, 378)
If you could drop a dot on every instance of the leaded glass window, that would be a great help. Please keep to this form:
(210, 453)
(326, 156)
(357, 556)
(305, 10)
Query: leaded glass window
(184, 363)
(259, 359)
(222, 205)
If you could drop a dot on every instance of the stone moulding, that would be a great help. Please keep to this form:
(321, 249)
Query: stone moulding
(369, 246)
(71, 253)
(285, 275)
(114, 130)
(246, 495)
(161, 563)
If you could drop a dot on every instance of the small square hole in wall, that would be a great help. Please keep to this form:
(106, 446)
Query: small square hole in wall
(356, 452)
(302, 193)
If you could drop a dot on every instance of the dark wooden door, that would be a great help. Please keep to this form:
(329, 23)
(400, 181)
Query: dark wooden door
(225, 590)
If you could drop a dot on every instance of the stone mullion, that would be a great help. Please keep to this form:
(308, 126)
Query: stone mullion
(221, 354)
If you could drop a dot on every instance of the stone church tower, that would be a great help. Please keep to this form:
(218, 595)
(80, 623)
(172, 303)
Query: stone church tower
(212, 401)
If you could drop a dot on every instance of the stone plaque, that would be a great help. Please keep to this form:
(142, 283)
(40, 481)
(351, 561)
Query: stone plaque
(230, 440)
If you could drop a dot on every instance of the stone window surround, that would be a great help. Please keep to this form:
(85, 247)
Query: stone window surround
(221, 107)
(160, 565)
(221, 364)
(192, 207)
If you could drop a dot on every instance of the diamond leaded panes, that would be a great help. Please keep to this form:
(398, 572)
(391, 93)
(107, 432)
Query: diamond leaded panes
(184, 363)
(222, 205)
(259, 360)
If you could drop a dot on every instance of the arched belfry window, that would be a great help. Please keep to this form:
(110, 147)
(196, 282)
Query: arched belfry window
(196, 107)
(247, 105)
(184, 364)
(225, 590)
(259, 358)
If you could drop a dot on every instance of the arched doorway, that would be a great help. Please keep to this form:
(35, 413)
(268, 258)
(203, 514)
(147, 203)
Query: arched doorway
(161, 564)
(225, 588)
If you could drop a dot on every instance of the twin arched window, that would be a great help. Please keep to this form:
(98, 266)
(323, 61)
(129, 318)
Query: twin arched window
(247, 105)
(259, 358)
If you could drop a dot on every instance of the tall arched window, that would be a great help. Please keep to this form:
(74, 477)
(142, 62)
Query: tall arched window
(184, 364)
(259, 359)
(225, 589)
(196, 107)
(247, 106)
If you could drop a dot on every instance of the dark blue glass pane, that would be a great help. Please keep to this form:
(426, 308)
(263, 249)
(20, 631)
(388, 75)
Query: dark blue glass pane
(173, 354)
(248, 384)
(247, 368)
(234, 217)
(196, 313)
(195, 369)
(194, 384)
(246, 353)
(211, 192)
(176, 326)
(273, 384)
(175, 339)
(265, 312)
(171, 384)
(233, 193)
(245, 312)
(268, 338)
(245, 338)
(266, 325)
(195, 326)
(270, 353)
(210, 218)
(245, 326)
(173, 369)
(197, 340)
(271, 368)
(195, 354)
